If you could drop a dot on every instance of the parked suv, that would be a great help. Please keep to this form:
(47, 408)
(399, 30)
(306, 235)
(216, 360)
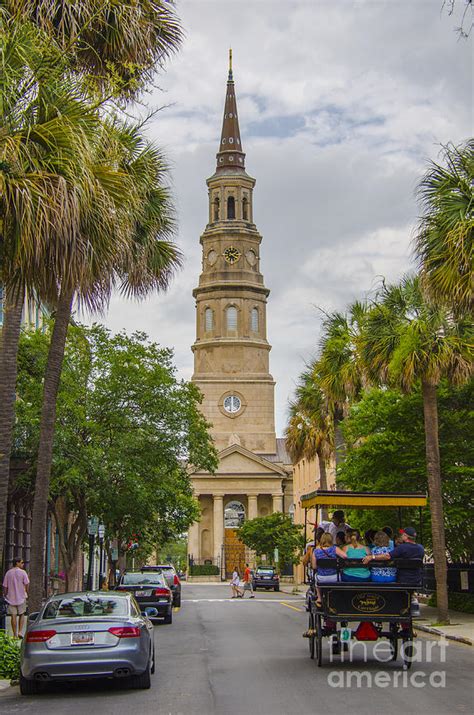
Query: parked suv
(150, 590)
(172, 578)
(266, 577)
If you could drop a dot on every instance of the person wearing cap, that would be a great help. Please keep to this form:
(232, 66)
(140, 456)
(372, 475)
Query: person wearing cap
(408, 549)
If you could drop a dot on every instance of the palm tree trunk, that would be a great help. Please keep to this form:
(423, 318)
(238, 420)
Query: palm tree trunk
(433, 467)
(10, 337)
(45, 448)
(323, 482)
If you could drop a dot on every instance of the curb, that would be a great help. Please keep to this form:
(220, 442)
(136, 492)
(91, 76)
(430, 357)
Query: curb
(448, 636)
(4, 685)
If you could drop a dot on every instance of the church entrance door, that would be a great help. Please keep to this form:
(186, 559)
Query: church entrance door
(234, 552)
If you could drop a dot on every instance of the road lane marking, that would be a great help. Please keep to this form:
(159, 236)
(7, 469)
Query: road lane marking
(288, 606)
(230, 600)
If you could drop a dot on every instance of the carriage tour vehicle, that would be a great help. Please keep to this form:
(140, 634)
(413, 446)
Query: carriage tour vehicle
(349, 613)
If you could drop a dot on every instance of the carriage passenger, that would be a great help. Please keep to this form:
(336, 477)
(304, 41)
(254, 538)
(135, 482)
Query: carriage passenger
(355, 549)
(382, 574)
(325, 550)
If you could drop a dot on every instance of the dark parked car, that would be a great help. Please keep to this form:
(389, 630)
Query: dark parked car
(79, 636)
(151, 590)
(266, 577)
(172, 578)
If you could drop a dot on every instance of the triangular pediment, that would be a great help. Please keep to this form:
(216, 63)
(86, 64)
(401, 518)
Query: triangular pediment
(236, 460)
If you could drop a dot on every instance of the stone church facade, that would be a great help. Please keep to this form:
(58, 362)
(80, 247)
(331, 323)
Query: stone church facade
(231, 365)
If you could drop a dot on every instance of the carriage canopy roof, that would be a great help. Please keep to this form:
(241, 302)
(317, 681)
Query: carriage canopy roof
(361, 500)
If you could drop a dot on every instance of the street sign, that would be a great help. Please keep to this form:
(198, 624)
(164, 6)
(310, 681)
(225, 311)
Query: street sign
(92, 526)
(275, 556)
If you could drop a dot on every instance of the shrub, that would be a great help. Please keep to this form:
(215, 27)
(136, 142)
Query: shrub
(463, 602)
(204, 570)
(9, 657)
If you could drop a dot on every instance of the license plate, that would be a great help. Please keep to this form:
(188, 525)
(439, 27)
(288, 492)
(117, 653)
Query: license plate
(82, 638)
(345, 635)
(142, 593)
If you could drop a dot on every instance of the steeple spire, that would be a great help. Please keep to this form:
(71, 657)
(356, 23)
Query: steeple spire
(230, 154)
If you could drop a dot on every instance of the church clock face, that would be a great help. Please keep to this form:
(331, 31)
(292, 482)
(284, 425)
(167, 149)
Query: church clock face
(231, 255)
(232, 404)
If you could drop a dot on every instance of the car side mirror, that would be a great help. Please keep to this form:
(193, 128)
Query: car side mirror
(150, 612)
(33, 616)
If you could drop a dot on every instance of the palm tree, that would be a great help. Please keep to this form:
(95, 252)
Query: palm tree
(116, 46)
(406, 341)
(339, 370)
(40, 184)
(310, 430)
(127, 224)
(444, 243)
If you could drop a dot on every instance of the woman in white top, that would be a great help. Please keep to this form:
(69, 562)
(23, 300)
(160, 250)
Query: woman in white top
(235, 583)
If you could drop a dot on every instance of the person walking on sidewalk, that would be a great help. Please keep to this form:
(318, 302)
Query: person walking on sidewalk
(248, 581)
(15, 590)
(235, 584)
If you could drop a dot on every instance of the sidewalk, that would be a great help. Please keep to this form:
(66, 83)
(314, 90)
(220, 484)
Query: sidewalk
(461, 628)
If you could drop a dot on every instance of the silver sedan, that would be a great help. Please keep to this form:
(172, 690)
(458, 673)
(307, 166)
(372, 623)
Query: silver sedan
(85, 635)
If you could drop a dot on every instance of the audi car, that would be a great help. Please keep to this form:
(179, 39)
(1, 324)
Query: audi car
(84, 635)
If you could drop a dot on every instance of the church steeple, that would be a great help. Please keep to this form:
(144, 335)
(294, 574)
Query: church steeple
(230, 154)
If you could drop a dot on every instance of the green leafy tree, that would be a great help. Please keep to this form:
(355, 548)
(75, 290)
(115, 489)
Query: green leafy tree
(126, 430)
(407, 342)
(275, 531)
(385, 440)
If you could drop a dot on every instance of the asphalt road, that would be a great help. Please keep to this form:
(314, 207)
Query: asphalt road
(247, 657)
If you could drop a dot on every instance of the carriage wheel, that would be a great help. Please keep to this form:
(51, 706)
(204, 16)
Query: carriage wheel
(407, 650)
(311, 638)
(319, 640)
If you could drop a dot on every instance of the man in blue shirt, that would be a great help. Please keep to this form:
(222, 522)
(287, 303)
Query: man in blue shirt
(408, 549)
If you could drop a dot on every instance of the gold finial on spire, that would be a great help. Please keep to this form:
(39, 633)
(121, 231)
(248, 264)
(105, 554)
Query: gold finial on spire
(230, 63)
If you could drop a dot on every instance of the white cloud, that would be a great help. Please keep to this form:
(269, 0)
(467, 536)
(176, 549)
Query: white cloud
(340, 104)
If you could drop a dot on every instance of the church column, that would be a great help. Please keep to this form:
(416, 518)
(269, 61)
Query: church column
(253, 507)
(218, 525)
(277, 502)
(193, 540)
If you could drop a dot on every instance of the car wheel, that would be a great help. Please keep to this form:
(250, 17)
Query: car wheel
(28, 687)
(142, 681)
(168, 618)
(152, 669)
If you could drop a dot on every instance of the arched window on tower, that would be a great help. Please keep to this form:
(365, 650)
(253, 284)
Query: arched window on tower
(231, 315)
(254, 320)
(209, 319)
(231, 207)
(245, 209)
(216, 208)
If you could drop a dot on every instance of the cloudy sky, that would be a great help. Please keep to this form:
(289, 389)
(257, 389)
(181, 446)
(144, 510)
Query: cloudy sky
(341, 105)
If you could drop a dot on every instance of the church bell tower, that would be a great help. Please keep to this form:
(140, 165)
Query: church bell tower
(231, 351)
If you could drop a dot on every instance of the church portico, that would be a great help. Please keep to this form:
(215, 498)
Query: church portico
(232, 366)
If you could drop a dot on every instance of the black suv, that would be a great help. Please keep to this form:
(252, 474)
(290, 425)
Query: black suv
(266, 577)
(172, 578)
(150, 590)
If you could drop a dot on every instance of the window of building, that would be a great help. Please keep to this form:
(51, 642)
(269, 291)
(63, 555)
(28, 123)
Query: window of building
(231, 318)
(216, 208)
(245, 209)
(254, 320)
(231, 207)
(234, 515)
(209, 319)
